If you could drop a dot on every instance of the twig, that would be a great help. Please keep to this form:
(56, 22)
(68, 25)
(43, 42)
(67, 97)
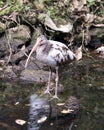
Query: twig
(4, 7)
(83, 41)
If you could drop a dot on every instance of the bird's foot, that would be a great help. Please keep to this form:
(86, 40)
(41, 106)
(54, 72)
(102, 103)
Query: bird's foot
(47, 91)
(55, 97)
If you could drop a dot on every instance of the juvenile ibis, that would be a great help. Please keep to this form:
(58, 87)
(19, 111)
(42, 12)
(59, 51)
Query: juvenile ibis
(53, 54)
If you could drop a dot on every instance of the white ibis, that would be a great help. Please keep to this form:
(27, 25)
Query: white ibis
(53, 54)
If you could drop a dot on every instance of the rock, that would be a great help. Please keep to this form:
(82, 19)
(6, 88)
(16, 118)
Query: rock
(3, 46)
(8, 73)
(15, 58)
(99, 32)
(95, 42)
(17, 69)
(18, 36)
(2, 27)
(20, 32)
(96, 37)
(73, 104)
(32, 65)
(34, 75)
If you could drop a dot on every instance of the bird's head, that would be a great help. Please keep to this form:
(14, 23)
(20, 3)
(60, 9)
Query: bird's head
(39, 41)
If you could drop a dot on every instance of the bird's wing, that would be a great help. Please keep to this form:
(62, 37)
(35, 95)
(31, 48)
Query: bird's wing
(57, 43)
(60, 52)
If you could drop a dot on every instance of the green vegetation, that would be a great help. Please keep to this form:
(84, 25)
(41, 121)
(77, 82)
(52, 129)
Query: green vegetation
(12, 7)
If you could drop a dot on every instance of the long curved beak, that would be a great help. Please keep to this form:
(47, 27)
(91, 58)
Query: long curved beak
(33, 49)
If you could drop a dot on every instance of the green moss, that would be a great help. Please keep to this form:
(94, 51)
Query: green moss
(55, 10)
(14, 7)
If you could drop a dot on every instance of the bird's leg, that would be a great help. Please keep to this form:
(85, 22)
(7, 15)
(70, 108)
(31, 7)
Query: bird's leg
(57, 78)
(49, 80)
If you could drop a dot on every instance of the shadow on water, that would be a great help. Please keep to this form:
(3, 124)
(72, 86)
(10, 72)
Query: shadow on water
(84, 80)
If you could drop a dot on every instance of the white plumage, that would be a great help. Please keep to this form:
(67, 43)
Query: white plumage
(53, 54)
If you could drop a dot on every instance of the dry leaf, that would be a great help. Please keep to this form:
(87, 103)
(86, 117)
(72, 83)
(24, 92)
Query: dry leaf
(13, 16)
(2, 62)
(42, 119)
(16, 103)
(60, 104)
(27, 105)
(78, 53)
(98, 25)
(75, 3)
(23, 48)
(48, 22)
(89, 17)
(20, 121)
(66, 111)
(100, 50)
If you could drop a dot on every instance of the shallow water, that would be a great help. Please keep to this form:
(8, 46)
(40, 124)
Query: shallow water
(84, 80)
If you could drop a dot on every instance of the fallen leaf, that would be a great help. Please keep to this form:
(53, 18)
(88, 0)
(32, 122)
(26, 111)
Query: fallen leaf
(98, 25)
(20, 121)
(16, 103)
(100, 50)
(2, 62)
(23, 48)
(48, 22)
(67, 111)
(60, 104)
(27, 105)
(42, 119)
(89, 17)
(78, 53)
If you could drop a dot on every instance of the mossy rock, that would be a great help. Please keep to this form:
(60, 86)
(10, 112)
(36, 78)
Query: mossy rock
(2, 27)
(20, 32)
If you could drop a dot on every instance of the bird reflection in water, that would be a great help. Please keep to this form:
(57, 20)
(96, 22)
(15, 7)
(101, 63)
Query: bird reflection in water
(39, 110)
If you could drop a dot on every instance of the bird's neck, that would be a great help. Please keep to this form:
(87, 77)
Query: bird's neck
(45, 47)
